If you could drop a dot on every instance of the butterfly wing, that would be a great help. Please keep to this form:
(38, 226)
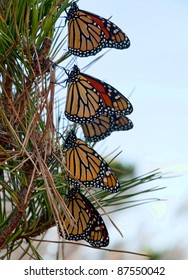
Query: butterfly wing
(104, 125)
(113, 100)
(122, 123)
(114, 36)
(83, 103)
(85, 38)
(88, 33)
(97, 235)
(75, 229)
(89, 97)
(97, 130)
(88, 226)
(85, 166)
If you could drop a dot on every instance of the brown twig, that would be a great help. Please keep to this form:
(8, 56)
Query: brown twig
(19, 211)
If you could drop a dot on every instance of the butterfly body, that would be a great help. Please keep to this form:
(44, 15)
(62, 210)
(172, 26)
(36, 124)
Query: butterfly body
(88, 225)
(89, 33)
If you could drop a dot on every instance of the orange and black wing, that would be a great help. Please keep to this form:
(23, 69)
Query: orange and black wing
(104, 125)
(122, 123)
(88, 33)
(88, 98)
(97, 130)
(113, 100)
(88, 223)
(83, 103)
(85, 166)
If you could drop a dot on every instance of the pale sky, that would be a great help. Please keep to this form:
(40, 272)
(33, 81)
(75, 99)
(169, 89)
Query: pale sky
(156, 67)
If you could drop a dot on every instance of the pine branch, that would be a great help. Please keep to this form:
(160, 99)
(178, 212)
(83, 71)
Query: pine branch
(17, 214)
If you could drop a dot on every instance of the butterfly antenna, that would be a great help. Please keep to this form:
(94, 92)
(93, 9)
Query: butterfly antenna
(65, 80)
(60, 135)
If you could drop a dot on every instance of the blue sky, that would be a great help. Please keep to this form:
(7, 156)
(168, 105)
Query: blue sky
(156, 67)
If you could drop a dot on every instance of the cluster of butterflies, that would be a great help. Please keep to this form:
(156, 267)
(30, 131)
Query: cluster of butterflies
(100, 109)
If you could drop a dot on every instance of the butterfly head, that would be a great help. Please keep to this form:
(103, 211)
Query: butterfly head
(70, 140)
(72, 11)
(73, 74)
(72, 193)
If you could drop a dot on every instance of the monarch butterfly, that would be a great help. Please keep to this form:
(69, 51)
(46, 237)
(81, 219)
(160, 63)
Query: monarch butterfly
(104, 125)
(89, 224)
(88, 98)
(89, 33)
(85, 166)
